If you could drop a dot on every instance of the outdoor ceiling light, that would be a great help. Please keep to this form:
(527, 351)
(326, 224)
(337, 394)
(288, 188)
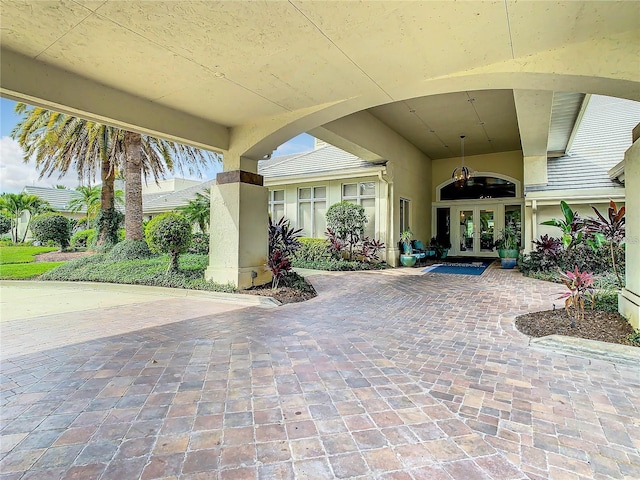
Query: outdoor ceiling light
(461, 174)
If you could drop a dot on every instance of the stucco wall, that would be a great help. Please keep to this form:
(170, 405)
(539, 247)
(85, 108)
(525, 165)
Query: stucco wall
(505, 163)
(412, 180)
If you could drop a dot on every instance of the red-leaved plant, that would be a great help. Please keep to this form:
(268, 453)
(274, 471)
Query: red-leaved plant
(580, 286)
(283, 241)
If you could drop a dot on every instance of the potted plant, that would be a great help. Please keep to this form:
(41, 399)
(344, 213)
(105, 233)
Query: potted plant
(440, 250)
(507, 246)
(407, 258)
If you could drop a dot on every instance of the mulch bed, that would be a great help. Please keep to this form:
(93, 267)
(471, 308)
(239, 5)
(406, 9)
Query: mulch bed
(597, 325)
(60, 256)
(282, 294)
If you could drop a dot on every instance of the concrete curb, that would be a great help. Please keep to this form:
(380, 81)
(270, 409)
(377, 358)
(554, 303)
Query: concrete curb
(581, 347)
(249, 300)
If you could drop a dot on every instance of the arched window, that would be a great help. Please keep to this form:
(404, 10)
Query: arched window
(481, 186)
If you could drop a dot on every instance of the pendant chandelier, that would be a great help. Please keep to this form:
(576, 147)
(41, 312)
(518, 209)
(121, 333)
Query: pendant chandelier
(462, 173)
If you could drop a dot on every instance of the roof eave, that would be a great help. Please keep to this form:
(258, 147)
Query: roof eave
(324, 176)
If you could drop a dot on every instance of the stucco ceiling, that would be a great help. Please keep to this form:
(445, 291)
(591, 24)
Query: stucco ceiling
(487, 119)
(238, 63)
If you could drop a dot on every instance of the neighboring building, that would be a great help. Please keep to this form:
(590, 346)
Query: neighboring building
(157, 197)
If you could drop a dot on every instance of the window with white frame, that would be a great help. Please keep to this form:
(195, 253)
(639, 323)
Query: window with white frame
(363, 193)
(312, 209)
(276, 204)
(405, 214)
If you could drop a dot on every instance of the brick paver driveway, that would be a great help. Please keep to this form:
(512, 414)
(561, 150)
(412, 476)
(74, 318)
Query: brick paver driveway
(384, 375)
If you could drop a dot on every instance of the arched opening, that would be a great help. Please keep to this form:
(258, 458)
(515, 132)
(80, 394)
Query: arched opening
(470, 215)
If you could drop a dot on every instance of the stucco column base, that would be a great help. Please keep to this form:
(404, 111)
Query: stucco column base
(239, 239)
(629, 307)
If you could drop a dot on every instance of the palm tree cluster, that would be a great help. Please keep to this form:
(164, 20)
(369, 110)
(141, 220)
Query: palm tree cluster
(15, 204)
(59, 143)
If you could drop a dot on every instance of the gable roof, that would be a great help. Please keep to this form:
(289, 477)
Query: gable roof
(159, 202)
(326, 159)
(602, 138)
(58, 198)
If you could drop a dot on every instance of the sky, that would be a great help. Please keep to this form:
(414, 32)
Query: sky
(15, 174)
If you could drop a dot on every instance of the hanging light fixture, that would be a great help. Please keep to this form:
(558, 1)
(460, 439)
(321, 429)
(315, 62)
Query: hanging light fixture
(462, 173)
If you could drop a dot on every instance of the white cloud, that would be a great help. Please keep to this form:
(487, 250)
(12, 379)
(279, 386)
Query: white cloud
(15, 174)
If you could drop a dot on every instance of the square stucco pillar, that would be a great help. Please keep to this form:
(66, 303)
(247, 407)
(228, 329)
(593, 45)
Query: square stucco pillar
(239, 221)
(629, 299)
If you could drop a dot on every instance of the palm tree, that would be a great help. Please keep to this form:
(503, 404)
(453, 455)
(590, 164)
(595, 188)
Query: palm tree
(60, 142)
(198, 211)
(88, 200)
(15, 204)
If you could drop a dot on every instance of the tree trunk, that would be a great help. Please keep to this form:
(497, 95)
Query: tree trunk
(107, 196)
(133, 189)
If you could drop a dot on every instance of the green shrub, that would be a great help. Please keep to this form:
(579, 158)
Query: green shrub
(199, 244)
(312, 250)
(129, 250)
(83, 238)
(169, 233)
(5, 224)
(51, 227)
(346, 221)
(607, 300)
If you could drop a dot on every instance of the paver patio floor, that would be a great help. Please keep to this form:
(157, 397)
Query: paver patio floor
(383, 375)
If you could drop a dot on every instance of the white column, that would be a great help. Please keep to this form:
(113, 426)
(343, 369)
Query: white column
(239, 222)
(629, 299)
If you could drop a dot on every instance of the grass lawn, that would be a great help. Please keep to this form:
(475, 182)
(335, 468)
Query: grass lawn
(22, 271)
(17, 263)
(10, 255)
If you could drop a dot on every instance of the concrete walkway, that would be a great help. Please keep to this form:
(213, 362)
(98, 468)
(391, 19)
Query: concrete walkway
(384, 375)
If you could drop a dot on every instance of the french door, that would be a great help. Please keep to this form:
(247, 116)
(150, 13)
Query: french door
(476, 230)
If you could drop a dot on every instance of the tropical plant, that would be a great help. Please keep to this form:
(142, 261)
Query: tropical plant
(369, 249)
(198, 211)
(580, 286)
(610, 229)
(405, 239)
(572, 226)
(507, 240)
(88, 199)
(15, 204)
(52, 227)
(60, 143)
(283, 242)
(336, 246)
(347, 221)
(548, 246)
(169, 233)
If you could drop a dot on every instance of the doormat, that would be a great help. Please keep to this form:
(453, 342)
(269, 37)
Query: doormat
(473, 268)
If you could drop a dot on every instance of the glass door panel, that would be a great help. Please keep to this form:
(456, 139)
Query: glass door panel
(467, 228)
(486, 230)
(513, 219)
(443, 222)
